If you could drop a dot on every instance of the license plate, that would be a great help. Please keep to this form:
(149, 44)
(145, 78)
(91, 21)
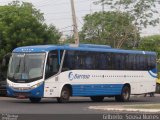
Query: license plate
(21, 96)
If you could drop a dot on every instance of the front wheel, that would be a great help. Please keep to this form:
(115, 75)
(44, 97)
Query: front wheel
(65, 95)
(125, 95)
(97, 98)
(35, 100)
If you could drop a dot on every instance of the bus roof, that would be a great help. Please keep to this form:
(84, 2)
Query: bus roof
(81, 47)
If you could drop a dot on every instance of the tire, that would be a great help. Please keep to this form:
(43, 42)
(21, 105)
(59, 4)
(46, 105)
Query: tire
(125, 95)
(65, 95)
(35, 100)
(158, 88)
(97, 98)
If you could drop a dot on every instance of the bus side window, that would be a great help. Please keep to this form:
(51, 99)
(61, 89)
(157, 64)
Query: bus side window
(118, 58)
(69, 61)
(122, 62)
(52, 65)
(89, 61)
(102, 61)
(152, 62)
(110, 60)
(76, 61)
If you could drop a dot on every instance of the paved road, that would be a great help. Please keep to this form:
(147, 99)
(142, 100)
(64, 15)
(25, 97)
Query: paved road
(75, 106)
(76, 109)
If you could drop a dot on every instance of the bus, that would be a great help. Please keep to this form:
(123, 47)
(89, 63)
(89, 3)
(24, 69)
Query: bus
(95, 71)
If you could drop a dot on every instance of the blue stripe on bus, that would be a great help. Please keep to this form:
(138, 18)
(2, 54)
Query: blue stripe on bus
(154, 70)
(155, 76)
(96, 89)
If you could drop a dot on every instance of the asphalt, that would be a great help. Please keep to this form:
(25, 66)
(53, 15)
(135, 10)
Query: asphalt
(129, 107)
(79, 108)
(78, 105)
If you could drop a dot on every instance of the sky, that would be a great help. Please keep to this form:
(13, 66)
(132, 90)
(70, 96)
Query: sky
(58, 13)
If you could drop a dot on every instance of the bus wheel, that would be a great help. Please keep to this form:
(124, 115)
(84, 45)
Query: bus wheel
(158, 88)
(125, 95)
(35, 100)
(65, 95)
(97, 98)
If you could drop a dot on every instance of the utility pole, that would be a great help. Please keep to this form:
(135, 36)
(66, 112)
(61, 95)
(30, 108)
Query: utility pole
(103, 19)
(75, 28)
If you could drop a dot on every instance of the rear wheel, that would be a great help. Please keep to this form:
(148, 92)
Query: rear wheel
(97, 98)
(35, 100)
(65, 95)
(125, 95)
(158, 88)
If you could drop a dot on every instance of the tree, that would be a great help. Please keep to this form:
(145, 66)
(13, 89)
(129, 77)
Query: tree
(21, 24)
(112, 28)
(143, 12)
(151, 43)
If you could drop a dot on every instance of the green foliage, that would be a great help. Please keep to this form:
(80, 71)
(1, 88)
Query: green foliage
(21, 24)
(112, 28)
(142, 11)
(151, 43)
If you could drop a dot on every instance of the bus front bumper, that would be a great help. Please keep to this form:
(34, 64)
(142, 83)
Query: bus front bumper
(36, 92)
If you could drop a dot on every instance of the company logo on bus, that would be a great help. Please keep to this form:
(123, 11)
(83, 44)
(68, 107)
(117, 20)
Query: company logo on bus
(73, 76)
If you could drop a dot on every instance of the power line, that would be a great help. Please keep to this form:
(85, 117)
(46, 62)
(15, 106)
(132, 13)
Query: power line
(63, 3)
(43, 2)
(80, 21)
(62, 19)
(79, 11)
(55, 5)
(66, 27)
(60, 3)
(67, 31)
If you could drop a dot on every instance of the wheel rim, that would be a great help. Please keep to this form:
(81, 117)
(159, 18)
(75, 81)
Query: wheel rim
(126, 94)
(65, 95)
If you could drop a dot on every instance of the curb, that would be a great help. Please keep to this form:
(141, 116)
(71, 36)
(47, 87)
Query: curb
(121, 108)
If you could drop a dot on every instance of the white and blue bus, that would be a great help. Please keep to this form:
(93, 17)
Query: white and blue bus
(95, 71)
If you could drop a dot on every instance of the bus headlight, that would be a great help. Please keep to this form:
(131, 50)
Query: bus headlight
(9, 85)
(24, 88)
(36, 85)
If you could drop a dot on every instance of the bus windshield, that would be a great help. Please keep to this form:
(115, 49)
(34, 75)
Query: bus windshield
(26, 67)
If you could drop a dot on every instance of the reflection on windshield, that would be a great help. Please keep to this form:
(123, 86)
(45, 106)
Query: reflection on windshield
(26, 66)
